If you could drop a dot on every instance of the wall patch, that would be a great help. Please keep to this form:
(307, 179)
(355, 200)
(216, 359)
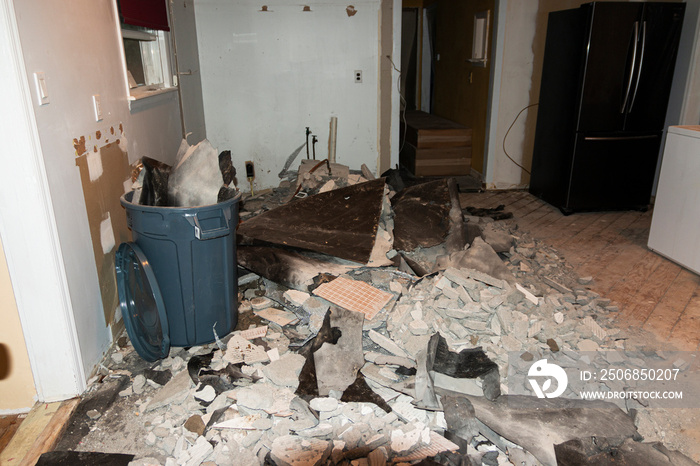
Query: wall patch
(107, 234)
(94, 163)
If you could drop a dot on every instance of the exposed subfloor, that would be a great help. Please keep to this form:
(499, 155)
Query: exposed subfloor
(8, 426)
(653, 293)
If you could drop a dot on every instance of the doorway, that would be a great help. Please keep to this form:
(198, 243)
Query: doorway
(443, 73)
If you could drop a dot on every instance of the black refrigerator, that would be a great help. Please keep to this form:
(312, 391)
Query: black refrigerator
(606, 79)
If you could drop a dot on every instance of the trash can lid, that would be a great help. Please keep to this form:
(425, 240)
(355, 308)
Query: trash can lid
(141, 303)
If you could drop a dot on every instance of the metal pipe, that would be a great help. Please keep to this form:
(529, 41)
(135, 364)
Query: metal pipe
(307, 142)
(313, 144)
(332, 138)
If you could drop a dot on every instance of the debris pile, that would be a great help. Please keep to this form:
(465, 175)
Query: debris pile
(340, 361)
(199, 177)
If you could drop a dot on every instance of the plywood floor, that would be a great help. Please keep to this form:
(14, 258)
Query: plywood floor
(8, 426)
(652, 292)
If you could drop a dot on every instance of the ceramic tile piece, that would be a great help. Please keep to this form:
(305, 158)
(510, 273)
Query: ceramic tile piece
(355, 296)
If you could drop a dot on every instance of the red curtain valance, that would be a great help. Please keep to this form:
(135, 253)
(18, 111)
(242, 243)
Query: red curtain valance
(152, 14)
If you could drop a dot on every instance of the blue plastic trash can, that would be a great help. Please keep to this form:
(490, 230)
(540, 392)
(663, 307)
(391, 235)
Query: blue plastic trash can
(177, 281)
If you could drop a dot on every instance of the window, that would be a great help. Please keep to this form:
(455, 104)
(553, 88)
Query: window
(144, 30)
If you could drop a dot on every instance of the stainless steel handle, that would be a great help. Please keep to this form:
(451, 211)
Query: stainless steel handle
(621, 138)
(184, 73)
(641, 61)
(634, 61)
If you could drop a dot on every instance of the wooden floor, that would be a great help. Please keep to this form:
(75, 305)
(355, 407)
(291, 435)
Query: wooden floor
(652, 292)
(8, 426)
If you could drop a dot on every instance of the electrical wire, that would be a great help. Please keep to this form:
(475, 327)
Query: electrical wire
(402, 100)
(506, 136)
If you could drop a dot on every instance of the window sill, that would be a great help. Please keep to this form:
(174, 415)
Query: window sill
(148, 95)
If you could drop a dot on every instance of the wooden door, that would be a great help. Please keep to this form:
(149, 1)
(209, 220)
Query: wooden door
(461, 88)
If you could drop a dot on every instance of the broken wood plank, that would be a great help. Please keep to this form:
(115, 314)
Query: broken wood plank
(38, 433)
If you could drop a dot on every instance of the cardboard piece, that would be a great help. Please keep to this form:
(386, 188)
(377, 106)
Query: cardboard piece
(103, 175)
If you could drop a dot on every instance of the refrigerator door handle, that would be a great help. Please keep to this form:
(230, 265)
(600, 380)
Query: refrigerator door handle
(641, 61)
(634, 61)
(620, 138)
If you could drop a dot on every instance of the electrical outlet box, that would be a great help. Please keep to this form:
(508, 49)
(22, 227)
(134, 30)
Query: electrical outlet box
(249, 169)
(358, 76)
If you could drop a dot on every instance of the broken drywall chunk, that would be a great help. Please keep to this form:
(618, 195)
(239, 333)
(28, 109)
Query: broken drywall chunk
(292, 450)
(499, 240)
(481, 258)
(196, 179)
(285, 371)
(556, 285)
(529, 296)
(468, 363)
(538, 424)
(324, 404)
(337, 364)
(206, 394)
(387, 344)
(295, 297)
(592, 451)
(277, 316)
(175, 391)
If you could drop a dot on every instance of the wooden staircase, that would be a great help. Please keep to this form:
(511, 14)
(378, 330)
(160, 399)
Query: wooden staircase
(434, 146)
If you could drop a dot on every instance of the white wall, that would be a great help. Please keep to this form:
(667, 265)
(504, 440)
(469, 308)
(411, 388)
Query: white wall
(268, 75)
(516, 89)
(77, 45)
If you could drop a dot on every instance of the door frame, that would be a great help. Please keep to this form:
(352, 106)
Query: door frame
(30, 234)
(497, 48)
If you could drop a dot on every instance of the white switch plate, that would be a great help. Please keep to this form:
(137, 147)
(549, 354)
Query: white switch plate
(42, 92)
(97, 107)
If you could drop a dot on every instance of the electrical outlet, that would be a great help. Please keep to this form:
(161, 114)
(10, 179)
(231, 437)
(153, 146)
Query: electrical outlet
(358, 76)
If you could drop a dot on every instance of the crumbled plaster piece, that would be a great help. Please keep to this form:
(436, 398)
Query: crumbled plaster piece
(285, 371)
(324, 404)
(277, 316)
(254, 332)
(292, 450)
(588, 345)
(240, 422)
(260, 303)
(296, 297)
(387, 344)
(529, 296)
(206, 394)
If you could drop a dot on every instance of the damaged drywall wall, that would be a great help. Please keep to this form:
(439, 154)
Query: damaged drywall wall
(105, 174)
(299, 64)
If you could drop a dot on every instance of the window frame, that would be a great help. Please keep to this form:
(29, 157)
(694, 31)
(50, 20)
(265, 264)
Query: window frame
(163, 38)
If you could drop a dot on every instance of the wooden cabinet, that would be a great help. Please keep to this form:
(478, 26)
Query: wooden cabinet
(434, 146)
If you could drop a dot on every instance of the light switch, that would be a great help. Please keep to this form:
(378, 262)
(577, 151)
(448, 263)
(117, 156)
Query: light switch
(97, 107)
(42, 93)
